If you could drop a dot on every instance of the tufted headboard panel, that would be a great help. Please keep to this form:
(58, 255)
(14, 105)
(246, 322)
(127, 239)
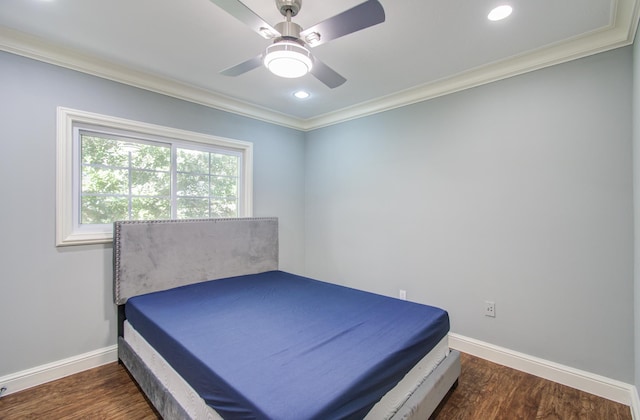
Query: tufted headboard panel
(149, 256)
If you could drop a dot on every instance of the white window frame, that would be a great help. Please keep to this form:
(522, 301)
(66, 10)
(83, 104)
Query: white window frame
(68, 229)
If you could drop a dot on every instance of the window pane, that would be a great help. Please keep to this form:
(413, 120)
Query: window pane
(192, 161)
(101, 180)
(145, 208)
(224, 187)
(150, 183)
(193, 185)
(152, 157)
(224, 208)
(193, 208)
(115, 171)
(140, 175)
(103, 209)
(224, 165)
(100, 151)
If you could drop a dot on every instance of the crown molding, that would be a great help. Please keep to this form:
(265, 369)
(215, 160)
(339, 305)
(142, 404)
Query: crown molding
(39, 49)
(619, 33)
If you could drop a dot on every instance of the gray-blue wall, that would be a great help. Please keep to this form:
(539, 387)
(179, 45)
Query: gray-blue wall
(57, 303)
(518, 192)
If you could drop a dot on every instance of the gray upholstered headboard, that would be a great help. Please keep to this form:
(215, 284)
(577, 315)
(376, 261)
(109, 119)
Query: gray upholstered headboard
(149, 256)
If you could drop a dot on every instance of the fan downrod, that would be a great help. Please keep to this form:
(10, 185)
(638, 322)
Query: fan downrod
(291, 7)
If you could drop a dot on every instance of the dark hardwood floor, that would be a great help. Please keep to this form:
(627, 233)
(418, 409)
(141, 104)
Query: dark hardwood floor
(490, 391)
(106, 392)
(485, 391)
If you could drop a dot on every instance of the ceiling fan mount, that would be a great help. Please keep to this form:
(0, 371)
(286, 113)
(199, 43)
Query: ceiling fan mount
(289, 6)
(288, 55)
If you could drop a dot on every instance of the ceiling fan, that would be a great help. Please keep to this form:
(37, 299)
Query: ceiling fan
(288, 55)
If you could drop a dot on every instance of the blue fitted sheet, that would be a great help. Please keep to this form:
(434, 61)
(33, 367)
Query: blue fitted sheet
(279, 346)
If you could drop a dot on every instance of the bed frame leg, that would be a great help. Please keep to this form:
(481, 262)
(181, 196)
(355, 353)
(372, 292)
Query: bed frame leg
(121, 318)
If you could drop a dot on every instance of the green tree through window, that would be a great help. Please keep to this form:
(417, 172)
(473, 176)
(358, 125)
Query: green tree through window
(127, 179)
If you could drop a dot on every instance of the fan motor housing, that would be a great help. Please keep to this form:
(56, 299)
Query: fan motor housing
(289, 30)
(292, 6)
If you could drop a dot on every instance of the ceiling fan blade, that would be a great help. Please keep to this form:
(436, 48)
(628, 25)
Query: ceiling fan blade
(326, 74)
(245, 15)
(359, 17)
(243, 67)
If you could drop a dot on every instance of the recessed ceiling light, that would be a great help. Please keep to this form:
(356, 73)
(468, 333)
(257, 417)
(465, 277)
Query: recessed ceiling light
(301, 94)
(500, 12)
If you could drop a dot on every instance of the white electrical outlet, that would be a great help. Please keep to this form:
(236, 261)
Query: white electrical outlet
(402, 294)
(490, 308)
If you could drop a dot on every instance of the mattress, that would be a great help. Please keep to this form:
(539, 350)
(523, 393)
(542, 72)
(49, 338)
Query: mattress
(196, 407)
(279, 346)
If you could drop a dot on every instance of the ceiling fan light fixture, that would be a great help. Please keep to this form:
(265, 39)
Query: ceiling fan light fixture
(288, 59)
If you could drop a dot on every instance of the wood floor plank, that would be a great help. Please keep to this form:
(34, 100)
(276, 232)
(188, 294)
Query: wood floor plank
(106, 392)
(490, 391)
(486, 391)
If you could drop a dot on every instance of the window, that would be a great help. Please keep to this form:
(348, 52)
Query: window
(113, 169)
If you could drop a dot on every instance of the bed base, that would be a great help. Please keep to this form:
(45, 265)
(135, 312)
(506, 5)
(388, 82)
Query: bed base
(156, 392)
(420, 405)
(424, 401)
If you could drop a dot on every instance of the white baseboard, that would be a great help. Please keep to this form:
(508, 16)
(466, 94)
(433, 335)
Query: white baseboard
(41, 374)
(635, 404)
(601, 386)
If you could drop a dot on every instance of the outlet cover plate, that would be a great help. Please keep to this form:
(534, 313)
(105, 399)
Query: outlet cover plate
(490, 308)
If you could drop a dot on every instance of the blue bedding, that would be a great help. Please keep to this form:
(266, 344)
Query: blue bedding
(279, 346)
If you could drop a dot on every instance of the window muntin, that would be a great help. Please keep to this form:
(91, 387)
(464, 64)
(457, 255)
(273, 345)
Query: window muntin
(113, 169)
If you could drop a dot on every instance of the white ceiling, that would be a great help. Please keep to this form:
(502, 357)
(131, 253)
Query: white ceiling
(424, 49)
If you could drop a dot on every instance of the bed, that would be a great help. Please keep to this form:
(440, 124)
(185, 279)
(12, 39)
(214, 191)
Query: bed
(210, 328)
